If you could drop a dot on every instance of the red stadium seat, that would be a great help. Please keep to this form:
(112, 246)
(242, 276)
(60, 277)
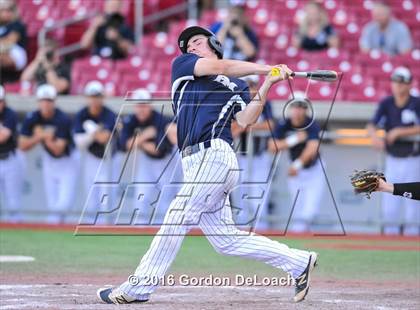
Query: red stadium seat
(91, 68)
(375, 57)
(365, 93)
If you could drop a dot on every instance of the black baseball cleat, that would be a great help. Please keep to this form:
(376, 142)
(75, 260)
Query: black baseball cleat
(111, 295)
(303, 281)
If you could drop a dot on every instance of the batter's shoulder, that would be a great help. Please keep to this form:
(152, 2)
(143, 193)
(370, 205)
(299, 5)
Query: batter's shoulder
(184, 59)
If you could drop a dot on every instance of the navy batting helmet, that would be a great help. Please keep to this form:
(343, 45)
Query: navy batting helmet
(189, 32)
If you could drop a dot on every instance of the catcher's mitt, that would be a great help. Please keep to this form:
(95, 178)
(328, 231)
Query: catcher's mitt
(366, 181)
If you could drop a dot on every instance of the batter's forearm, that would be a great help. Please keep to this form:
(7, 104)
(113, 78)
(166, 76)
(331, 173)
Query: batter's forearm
(253, 110)
(238, 68)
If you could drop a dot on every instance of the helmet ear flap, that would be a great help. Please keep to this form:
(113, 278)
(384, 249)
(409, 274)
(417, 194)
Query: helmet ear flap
(216, 46)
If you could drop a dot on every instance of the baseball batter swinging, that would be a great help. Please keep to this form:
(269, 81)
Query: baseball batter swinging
(206, 96)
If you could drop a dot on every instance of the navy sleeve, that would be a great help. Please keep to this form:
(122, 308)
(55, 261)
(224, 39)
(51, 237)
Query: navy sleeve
(313, 131)
(183, 67)
(126, 132)
(280, 130)
(10, 121)
(380, 113)
(78, 123)
(28, 125)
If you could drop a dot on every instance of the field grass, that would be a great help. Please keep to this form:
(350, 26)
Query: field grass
(60, 252)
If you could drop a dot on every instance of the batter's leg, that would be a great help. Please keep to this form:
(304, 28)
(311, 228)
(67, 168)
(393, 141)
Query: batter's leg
(161, 253)
(226, 239)
(207, 178)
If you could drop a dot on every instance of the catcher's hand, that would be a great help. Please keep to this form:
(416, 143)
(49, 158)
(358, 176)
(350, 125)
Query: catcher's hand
(366, 181)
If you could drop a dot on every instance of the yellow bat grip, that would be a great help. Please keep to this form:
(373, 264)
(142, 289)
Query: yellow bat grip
(275, 72)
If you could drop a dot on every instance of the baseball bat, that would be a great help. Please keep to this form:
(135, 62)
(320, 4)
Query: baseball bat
(318, 75)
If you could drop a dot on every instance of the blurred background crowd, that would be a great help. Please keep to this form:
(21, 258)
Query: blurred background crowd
(79, 59)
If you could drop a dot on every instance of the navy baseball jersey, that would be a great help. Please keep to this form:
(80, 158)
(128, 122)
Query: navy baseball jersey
(132, 125)
(59, 123)
(204, 106)
(259, 143)
(389, 116)
(285, 129)
(106, 120)
(8, 119)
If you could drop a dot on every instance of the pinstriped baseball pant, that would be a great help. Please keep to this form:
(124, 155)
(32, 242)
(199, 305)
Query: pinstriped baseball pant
(209, 175)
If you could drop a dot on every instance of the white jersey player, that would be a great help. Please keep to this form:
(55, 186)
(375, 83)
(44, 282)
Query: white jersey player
(251, 197)
(143, 136)
(300, 135)
(11, 182)
(51, 128)
(206, 97)
(93, 126)
(399, 116)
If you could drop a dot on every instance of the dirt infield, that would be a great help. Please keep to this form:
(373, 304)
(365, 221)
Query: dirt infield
(80, 293)
(355, 272)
